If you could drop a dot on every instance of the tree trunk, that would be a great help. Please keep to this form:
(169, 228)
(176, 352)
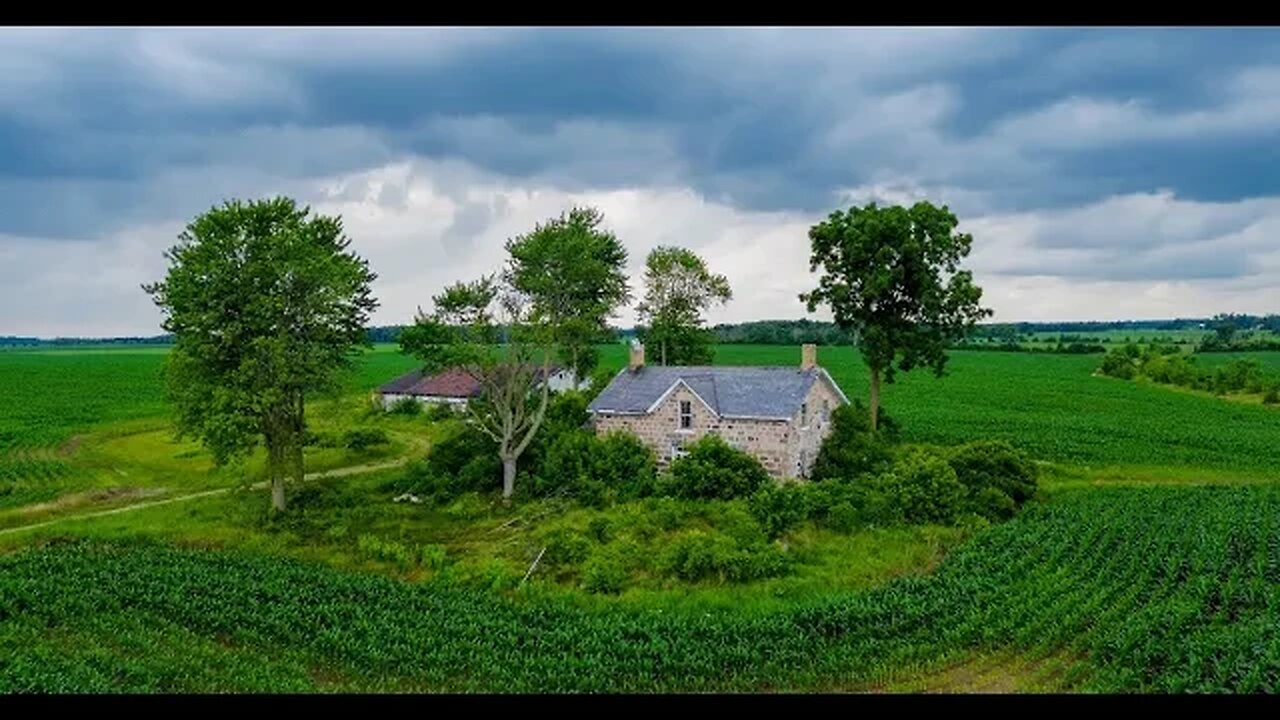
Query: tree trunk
(277, 491)
(508, 478)
(875, 398)
(663, 344)
(276, 471)
(298, 441)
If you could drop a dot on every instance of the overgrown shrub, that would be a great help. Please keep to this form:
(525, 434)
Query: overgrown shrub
(604, 572)
(406, 406)
(626, 463)
(712, 469)
(778, 508)
(320, 438)
(851, 449)
(568, 467)
(995, 464)
(1272, 397)
(701, 555)
(596, 470)
(925, 488)
(405, 556)
(462, 460)
(992, 504)
(360, 439)
(845, 504)
(565, 547)
(843, 517)
(440, 412)
(1120, 362)
(599, 529)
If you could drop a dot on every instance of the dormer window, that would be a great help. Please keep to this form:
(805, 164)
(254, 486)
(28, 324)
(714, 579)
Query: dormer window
(686, 414)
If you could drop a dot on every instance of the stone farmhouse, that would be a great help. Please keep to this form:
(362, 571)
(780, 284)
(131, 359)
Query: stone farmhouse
(451, 387)
(778, 414)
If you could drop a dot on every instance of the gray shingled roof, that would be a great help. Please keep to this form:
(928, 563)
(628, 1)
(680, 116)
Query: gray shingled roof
(773, 392)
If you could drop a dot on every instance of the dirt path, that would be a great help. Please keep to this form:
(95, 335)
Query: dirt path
(340, 472)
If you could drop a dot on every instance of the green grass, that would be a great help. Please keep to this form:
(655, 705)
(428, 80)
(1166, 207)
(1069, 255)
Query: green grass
(79, 419)
(1170, 589)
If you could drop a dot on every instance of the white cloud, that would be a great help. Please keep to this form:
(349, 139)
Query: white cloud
(1250, 102)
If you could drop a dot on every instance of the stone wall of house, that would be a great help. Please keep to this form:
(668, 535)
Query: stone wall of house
(768, 440)
(807, 439)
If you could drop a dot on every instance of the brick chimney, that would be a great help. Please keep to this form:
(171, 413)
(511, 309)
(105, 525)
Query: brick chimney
(808, 356)
(637, 356)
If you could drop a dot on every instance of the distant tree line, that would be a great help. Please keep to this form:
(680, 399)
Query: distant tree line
(1232, 333)
(1168, 365)
(782, 332)
(16, 341)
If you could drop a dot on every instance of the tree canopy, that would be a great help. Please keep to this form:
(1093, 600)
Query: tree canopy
(573, 271)
(892, 275)
(266, 304)
(679, 288)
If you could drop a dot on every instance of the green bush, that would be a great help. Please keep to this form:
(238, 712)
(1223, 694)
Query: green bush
(596, 470)
(843, 517)
(924, 487)
(778, 508)
(847, 504)
(568, 468)
(361, 439)
(627, 464)
(462, 460)
(440, 412)
(566, 414)
(851, 449)
(377, 548)
(406, 406)
(604, 573)
(565, 547)
(1272, 397)
(600, 529)
(992, 504)
(1120, 362)
(700, 555)
(322, 439)
(995, 464)
(714, 470)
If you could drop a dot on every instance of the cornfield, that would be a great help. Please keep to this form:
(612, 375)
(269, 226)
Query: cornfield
(1156, 589)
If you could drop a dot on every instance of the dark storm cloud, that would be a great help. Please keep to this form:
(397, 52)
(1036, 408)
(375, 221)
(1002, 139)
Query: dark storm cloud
(105, 130)
(745, 115)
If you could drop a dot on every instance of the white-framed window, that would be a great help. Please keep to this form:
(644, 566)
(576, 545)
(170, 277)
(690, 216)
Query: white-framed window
(686, 414)
(826, 411)
(678, 451)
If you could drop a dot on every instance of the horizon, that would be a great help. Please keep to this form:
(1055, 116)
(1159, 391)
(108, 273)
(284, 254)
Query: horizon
(632, 328)
(1107, 173)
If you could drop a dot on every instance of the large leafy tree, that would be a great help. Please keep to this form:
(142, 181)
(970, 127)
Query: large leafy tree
(892, 274)
(573, 271)
(266, 303)
(679, 288)
(463, 331)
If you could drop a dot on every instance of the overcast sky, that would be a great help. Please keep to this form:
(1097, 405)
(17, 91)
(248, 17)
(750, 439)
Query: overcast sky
(1103, 173)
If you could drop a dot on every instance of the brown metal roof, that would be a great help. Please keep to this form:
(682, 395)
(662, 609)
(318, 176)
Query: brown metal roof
(452, 383)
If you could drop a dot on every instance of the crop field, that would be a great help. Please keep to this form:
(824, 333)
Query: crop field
(51, 396)
(1169, 581)
(1052, 406)
(1143, 589)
